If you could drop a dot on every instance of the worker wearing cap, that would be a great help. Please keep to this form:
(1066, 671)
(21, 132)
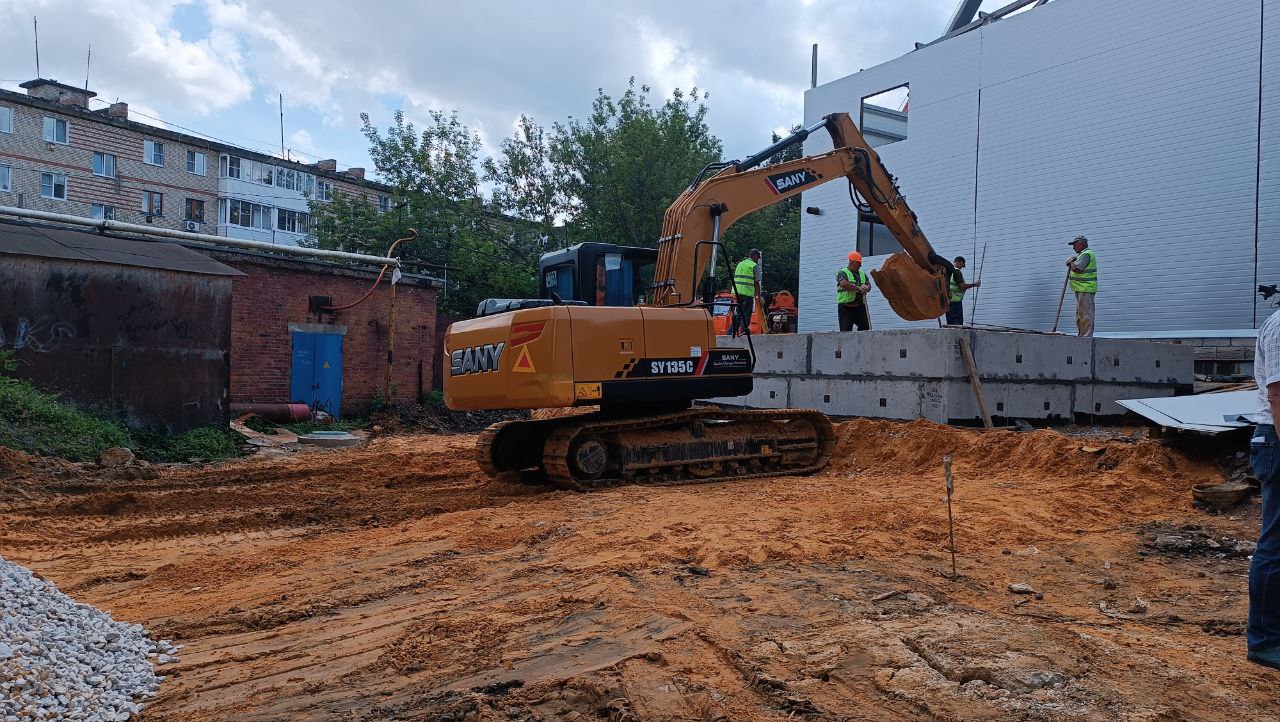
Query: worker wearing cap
(1083, 270)
(746, 284)
(955, 310)
(852, 285)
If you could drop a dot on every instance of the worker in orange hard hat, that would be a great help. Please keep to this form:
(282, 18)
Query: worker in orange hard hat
(852, 286)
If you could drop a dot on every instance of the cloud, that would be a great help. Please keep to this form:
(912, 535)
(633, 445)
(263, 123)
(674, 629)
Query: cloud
(490, 61)
(137, 56)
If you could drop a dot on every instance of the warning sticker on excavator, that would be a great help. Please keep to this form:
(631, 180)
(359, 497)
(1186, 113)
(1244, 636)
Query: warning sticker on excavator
(523, 362)
(586, 392)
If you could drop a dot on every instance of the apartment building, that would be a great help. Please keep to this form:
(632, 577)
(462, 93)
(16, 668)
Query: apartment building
(59, 155)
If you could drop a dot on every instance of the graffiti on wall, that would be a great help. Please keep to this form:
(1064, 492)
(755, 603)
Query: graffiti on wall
(42, 336)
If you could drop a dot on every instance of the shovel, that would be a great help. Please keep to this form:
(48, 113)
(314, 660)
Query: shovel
(1061, 298)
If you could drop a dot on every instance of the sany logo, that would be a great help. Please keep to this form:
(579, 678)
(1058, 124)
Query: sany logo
(476, 359)
(783, 182)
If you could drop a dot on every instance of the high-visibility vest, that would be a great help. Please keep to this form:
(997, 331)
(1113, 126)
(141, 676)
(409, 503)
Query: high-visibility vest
(957, 293)
(744, 278)
(1085, 281)
(845, 296)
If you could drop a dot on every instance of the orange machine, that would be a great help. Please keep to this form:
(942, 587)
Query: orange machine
(722, 311)
(644, 365)
(783, 315)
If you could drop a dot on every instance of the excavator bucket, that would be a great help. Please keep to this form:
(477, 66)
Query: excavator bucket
(914, 293)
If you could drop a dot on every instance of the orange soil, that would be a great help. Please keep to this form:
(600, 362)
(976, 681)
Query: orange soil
(395, 581)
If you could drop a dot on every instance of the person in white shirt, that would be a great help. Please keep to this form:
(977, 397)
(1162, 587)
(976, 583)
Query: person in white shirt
(1263, 633)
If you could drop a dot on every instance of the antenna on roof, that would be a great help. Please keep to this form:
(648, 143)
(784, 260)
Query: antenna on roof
(282, 125)
(35, 28)
(88, 58)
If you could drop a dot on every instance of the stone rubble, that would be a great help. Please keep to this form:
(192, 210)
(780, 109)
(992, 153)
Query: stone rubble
(62, 660)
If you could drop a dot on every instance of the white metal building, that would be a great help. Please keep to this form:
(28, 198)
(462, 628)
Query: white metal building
(1150, 126)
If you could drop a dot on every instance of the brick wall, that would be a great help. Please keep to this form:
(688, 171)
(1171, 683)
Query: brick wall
(28, 154)
(274, 293)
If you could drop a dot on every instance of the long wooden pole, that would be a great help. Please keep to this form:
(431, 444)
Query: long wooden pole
(971, 366)
(1061, 298)
(951, 529)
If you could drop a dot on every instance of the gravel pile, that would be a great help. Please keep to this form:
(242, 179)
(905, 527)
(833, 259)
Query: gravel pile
(61, 660)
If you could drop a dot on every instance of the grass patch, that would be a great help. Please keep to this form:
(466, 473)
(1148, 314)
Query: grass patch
(302, 428)
(38, 423)
(207, 443)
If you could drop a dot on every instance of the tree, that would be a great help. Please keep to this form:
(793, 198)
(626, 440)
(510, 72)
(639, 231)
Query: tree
(437, 191)
(626, 162)
(526, 183)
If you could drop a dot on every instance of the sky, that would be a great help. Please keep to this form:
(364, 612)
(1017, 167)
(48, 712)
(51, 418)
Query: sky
(218, 67)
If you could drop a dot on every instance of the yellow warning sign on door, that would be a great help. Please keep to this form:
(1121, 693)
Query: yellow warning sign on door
(326, 364)
(523, 362)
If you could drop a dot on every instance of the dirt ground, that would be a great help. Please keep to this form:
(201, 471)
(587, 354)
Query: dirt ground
(395, 581)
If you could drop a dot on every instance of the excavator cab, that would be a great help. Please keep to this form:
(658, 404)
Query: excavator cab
(598, 274)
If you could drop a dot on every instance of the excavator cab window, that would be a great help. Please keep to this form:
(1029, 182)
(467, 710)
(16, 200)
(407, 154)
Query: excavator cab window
(558, 279)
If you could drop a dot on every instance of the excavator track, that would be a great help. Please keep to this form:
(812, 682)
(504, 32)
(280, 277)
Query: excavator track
(688, 447)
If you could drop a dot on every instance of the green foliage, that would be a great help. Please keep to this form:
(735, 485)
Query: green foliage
(434, 398)
(206, 443)
(303, 428)
(626, 162)
(36, 422)
(607, 177)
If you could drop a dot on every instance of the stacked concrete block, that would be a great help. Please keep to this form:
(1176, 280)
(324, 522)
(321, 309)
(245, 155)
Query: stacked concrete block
(907, 374)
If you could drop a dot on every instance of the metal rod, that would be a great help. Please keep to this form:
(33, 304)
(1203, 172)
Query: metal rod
(951, 529)
(710, 292)
(203, 239)
(813, 72)
(35, 29)
(982, 262)
(796, 137)
(1061, 298)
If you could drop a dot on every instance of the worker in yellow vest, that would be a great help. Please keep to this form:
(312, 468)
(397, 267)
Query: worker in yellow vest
(957, 286)
(746, 286)
(1084, 282)
(852, 285)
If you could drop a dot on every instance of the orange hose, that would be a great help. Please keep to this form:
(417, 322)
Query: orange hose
(376, 281)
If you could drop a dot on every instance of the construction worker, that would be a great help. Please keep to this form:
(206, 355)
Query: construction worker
(852, 285)
(746, 284)
(955, 310)
(1263, 631)
(1083, 270)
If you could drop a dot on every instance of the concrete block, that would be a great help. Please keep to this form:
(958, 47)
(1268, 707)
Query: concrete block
(874, 398)
(1010, 400)
(1032, 356)
(1099, 399)
(781, 353)
(1120, 360)
(918, 353)
(767, 392)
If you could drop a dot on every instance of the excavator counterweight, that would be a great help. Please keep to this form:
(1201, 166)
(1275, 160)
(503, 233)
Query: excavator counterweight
(644, 365)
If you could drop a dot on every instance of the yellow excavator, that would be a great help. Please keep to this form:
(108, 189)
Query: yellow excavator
(644, 365)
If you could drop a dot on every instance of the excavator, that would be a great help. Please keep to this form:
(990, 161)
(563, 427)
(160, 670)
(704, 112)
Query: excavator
(644, 365)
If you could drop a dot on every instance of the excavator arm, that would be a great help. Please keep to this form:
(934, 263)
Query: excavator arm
(914, 283)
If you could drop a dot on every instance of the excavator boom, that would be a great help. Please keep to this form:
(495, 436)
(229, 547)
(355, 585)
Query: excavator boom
(915, 286)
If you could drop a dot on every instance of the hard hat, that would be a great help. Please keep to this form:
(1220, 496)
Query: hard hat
(855, 256)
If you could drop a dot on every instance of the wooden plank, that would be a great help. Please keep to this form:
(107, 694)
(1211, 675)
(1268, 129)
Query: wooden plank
(966, 351)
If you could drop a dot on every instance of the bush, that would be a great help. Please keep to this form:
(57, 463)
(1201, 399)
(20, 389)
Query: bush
(206, 443)
(36, 422)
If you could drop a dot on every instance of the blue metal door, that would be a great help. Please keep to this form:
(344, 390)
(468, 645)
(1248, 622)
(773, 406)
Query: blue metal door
(316, 375)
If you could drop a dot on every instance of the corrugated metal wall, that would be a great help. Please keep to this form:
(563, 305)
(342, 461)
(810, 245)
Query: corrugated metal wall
(1134, 122)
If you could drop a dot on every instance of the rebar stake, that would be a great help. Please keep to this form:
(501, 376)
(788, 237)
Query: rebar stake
(951, 530)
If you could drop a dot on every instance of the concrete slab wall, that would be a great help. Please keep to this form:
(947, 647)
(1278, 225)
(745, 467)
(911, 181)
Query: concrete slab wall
(907, 374)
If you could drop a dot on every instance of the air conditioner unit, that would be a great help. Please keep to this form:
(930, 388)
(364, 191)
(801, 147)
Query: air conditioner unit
(192, 226)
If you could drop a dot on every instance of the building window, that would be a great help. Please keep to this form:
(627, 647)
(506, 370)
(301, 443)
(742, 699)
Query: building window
(248, 215)
(55, 130)
(195, 210)
(53, 186)
(874, 237)
(293, 221)
(6, 119)
(384, 204)
(6, 178)
(102, 213)
(195, 162)
(324, 190)
(152, 203)
(230, 166)
(152, 152)
(104, 164)
(295, 180)
(883, 119)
